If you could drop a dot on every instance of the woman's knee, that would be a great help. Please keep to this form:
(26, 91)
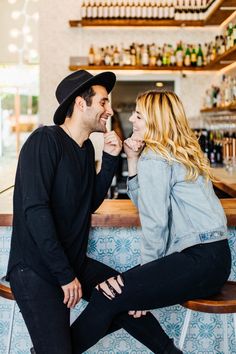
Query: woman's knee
(111, 287)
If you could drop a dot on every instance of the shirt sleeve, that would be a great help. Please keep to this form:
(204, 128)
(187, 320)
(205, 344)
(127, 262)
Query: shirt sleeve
(154, 206)
(37, 164)
(133, 189)
(104, 178)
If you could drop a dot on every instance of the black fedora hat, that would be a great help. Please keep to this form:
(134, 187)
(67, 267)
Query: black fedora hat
(74, 84)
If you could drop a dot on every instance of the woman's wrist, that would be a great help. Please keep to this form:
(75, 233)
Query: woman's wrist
(132, 166)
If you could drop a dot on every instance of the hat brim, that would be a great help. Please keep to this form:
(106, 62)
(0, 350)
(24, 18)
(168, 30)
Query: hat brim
(106, 79)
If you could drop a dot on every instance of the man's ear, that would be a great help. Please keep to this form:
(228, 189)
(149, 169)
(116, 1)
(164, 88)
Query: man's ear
(80, 103)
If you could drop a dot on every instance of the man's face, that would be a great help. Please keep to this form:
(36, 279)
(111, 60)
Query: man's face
(97, 114)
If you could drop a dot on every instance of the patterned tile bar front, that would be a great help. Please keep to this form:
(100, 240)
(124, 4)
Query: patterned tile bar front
(119, 248)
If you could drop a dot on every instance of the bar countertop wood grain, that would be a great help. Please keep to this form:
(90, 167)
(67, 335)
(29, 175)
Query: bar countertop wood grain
(112, 213)
(226, 181)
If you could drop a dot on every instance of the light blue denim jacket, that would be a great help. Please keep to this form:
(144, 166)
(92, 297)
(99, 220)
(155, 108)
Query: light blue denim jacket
(174, 214)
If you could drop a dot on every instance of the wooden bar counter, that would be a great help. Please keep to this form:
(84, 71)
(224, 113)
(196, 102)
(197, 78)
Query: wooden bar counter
(226, 181)
(112, 213)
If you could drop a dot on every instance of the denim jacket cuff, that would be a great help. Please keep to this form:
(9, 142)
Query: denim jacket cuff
(133, 184)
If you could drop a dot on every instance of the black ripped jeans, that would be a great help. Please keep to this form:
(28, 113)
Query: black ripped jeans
(48, 319)
(197, 271)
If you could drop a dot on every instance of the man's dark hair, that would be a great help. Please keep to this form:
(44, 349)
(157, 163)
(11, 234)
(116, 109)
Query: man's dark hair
(86, 95)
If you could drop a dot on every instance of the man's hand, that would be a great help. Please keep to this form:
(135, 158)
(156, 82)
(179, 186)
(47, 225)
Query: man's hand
(72, 293)
(137, 314)
(112, 143)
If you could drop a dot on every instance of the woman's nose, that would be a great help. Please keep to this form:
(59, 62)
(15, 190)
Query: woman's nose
(131, 118)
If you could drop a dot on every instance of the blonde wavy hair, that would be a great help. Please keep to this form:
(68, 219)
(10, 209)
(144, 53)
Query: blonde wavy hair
(169, 134)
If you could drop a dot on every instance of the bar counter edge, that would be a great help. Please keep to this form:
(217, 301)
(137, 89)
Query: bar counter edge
(122, 213)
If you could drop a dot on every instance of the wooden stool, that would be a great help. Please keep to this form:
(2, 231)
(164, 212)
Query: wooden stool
(6, 293)
(222, 303)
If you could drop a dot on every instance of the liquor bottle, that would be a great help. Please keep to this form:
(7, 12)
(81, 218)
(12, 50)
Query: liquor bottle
(179, 54)
(152, 55)
(164, 56)
(144, 10)
(97, 57)
(199, 56)
(205, 49)
(83, 10)
(160, 12)
(138, 54)
(122, 10)
(89, 10)
(144, 55)
(172, 57)
(132, 10)
(116, 10)
(234, 34)
(107, 58)
(149, 10)
(138, 10)
(222, 45)
(132, 55)
(187, 57)
(116, 56)
(193, 57)
(127, 10)
(110, 10)
(105, 10)
(159, 59)
(91, 55)
(229, 38)
(94, 10)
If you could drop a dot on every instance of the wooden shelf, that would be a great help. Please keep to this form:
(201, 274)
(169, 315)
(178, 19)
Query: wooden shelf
(116, 22)
(220, 62)
(224, 9)
(223, 60)
(136, 67)
(219, 109)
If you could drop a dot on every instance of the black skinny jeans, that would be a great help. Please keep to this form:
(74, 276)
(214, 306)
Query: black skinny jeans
(48, 319)
(198, 271)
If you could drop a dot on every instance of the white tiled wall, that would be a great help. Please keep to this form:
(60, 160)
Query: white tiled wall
(58, 42)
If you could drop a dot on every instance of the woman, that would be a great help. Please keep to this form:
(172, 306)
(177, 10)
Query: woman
(184, 249)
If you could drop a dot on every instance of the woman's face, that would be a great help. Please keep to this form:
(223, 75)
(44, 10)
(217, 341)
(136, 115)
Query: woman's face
(139, 125)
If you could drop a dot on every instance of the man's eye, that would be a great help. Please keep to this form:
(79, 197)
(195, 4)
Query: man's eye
(139, 117)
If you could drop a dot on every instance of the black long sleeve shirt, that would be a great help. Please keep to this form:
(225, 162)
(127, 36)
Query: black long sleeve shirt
(56, 191)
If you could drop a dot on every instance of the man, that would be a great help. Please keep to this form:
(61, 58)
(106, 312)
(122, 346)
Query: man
(56, 191)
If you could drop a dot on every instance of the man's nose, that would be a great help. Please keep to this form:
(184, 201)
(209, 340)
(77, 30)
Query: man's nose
(109, 110)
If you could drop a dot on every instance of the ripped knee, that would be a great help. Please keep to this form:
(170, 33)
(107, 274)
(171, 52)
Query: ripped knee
(111, 287)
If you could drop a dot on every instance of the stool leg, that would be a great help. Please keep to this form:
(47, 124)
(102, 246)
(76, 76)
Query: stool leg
(184, 329)
(10, 328)
(225, 334)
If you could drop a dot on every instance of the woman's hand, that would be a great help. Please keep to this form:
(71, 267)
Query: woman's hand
(133, 148)
(137, 314)
(72, 293)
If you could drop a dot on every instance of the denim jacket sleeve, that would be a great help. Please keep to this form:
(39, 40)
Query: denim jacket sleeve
(154, 204)
(133, 189)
